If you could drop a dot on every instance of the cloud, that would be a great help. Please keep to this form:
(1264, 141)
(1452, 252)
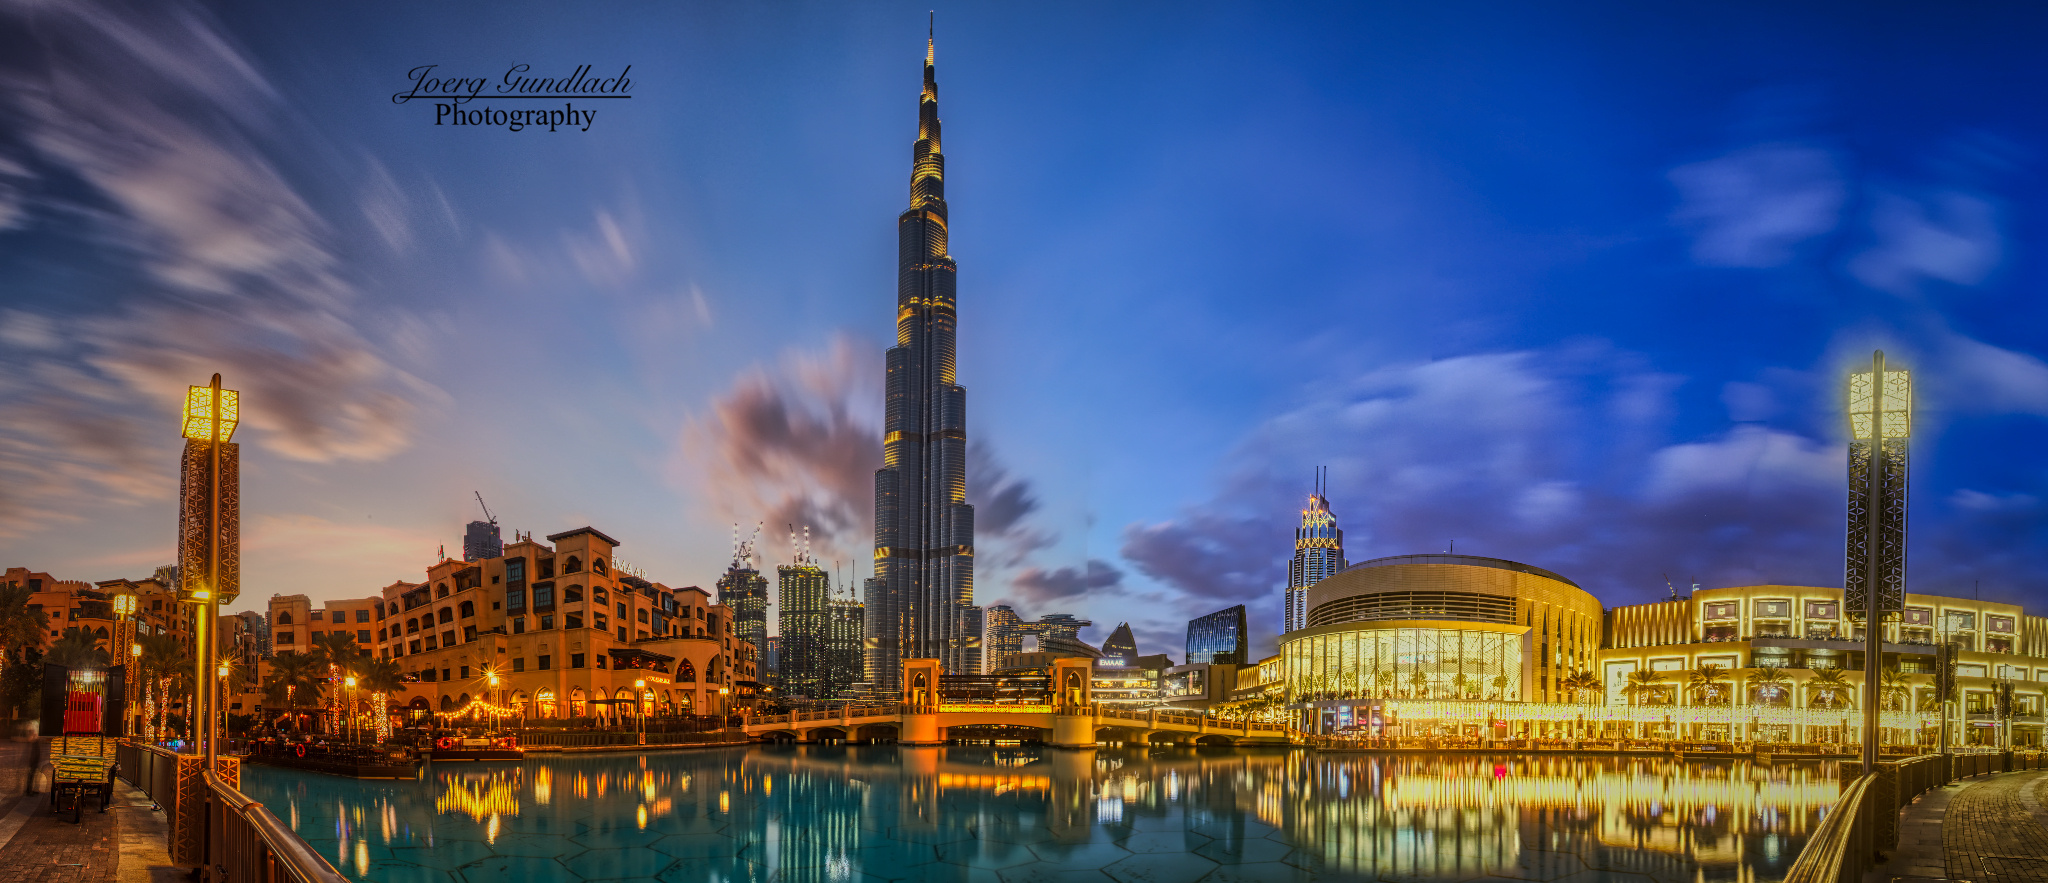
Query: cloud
(1040, 586)
(227, 267)
(1947, 236)
(1751, 208)
(798, 442)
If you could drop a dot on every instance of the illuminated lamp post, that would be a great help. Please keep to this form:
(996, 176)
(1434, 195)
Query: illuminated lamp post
(209, 531)
(1880, 406)
(350, 683)
(640, 709)
(221, 691)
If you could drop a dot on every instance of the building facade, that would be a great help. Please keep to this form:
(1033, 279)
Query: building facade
(744, 590)
(919, 598)
(1318, 555)
(803, 619)
(1007, 631)
(1218, 638)
(564, 632)
(844, 662)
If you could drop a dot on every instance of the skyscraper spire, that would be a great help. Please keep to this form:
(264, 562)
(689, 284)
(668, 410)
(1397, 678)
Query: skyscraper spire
(1318, 554)
(920, 600)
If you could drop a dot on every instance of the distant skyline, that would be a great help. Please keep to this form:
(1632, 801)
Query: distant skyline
(1573, 286)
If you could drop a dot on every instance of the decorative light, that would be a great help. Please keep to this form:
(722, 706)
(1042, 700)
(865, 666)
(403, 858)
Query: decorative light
(349, 682)
(135, 650)
(223, 670)
(199, 413)
(1898, 404)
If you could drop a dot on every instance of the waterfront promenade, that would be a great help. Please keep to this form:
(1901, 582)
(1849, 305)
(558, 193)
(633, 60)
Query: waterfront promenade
(126, 844)
(1986, 829)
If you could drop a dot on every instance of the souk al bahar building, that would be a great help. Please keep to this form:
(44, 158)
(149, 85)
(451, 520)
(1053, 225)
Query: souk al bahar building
(1470, 647)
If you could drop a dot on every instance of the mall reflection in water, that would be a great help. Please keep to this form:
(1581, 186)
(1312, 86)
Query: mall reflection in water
(835, 813)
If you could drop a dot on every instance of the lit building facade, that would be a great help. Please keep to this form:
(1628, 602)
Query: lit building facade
(744, 590)
(803, 619)
(1435, 629)
(919, 598)
(1318, 555)
(1007, 631)
(1217, 638)
(844, 658)
(566, 634)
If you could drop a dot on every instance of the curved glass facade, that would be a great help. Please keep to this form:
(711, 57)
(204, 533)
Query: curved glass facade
(1403, 663)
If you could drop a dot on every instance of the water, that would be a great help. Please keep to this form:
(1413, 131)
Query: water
(1027, 814)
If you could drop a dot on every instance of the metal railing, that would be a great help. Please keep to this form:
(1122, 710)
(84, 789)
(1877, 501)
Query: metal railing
(237, 839)
(1865, 822)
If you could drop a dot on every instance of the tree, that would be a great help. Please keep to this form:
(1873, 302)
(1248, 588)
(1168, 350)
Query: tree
(1580, 684)
(162, 666)
(76, 649)
(1420, 682)
(381, 677)
(337, 651)
(1892, 685)
(21, 626)
(1767, 684)
(1458, 684)
(295, 682)
(1827, 687)
(1500, 686)
(1705, 683)
(1643, 685)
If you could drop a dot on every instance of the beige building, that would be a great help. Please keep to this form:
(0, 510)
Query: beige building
(564, 631)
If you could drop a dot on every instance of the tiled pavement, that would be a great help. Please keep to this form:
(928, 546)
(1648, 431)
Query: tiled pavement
(48, 848)
(1990, 829)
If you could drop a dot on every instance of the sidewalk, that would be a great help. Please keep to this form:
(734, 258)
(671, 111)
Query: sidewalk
(1988, 829)
(126, 844)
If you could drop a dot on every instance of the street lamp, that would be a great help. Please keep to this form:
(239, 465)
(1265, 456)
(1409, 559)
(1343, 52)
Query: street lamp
(639, 709)
(1880, 410)
(209, 530)
(350, 683)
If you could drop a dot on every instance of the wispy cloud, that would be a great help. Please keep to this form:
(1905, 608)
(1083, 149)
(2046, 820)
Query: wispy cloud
(1753, 207)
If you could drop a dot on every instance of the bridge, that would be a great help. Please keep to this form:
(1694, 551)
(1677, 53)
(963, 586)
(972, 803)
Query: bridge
(1067, 717)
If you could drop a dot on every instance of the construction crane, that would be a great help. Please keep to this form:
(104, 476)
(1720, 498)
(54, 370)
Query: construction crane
(487, 510)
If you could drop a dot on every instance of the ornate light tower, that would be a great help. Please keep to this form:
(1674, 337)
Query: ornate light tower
(128, 653)
(1874, 569)
(209, 532)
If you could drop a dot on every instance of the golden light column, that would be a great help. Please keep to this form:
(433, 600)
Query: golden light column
(129, 652)
(1880, 426)
(209, 533)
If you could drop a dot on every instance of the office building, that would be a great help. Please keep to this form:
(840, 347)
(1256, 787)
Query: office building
(919, 600)
(844, 662)
(744, 590)
(480, 540)
(803, 619)
(1120, 649)
(1318, 555)
(1007, 633)
(1217, 638)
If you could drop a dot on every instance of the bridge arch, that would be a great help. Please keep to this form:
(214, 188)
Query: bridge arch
(778, 736)
(821, 734)
(889, 732)
(1213, 739)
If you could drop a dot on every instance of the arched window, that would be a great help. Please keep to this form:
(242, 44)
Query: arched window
(519, 702)
(468, 609)
(545, 702)
(441, 590)
(447, 703)
(572, 594)
(573, 565)
(447, 614)
(686, 673)
(462, 701)
(597, 564)
(623, 702)
(684, 703)
(597, 594)
(284, 618)
(100, 633)
(578, 706)
(412, 626)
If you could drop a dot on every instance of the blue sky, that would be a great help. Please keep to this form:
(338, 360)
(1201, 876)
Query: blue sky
(1573, 286)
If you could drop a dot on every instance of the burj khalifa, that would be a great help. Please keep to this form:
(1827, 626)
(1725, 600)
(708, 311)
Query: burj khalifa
(920, 602)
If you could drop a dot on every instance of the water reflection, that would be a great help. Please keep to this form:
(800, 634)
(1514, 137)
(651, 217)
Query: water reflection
(834, 813)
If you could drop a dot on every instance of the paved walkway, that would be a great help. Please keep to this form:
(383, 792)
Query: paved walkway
(124, 845)
(1987, 829)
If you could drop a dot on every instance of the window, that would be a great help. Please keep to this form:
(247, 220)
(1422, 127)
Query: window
(543, 596)
(639, 614)
(427, 674)
(465, 672)
(515, 571)
(1959, 620)
(622, 610)
(1771, 608)
(572, 595)
(494, 579)
(700, 613)
(515, 599)
(622, 633)
(413, 646)
(317, 614)
(597, 621)
(1998, 623)
(572, 620)
(573, 565)
(430, 642)
(282, 638)
(547, 622)
(600, 660)
(597, 564)
(597, 594)
(380, 611)
(448, 639)
(383, 634)
(468, 609)
(642, 633)
(519, 625)
(412, 626)
(518, 663)
(468, 633)
(1919, 616)
(440, 590)
(686, 672)
(547, 568)
(362, 636)
(1722, 609)
(363, 615)
(447, 614)
(444, 674)
(545, 662)
(1822, 609)
(575, 660)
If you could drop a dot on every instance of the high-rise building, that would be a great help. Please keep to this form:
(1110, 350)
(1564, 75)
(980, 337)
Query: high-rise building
(1318, 555)
(745, 590)
(843, 659)
(803, 619)
(919, 603)
(1121, 649)
(1007, 631)
(1218, 638)
(481, 541)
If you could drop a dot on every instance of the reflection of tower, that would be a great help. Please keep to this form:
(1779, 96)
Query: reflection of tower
(745, 591)
(804, 621)
(1318, 555)
(918, 601)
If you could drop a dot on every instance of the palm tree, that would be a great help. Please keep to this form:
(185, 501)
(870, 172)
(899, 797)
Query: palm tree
(1500, 687)
(76, 649)
(381, 677)
(1641, 685)
(295, 682)
(337, 651)
(1827, 687)
(1705, 683)
(1767, 681)
(21, 626)
(1579, 684)
(1892, 685)
(157, 667)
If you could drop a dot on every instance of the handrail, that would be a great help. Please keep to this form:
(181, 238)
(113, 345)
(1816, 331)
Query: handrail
(1839, 851)
(291, 854)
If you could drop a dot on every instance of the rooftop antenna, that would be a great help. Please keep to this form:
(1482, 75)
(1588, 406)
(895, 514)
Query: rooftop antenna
(487, 510)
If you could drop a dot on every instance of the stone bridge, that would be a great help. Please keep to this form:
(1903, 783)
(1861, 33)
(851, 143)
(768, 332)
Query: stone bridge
(1061, 706)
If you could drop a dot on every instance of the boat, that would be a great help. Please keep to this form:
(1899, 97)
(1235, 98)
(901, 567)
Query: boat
(476, 746)
(335, 758)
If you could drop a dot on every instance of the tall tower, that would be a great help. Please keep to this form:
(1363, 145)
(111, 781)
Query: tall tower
(1318, 554)
(745, 590)
(803, 619)
(920, 601)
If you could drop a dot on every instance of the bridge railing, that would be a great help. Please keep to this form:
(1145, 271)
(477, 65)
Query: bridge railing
(214, 825)
(1866, 820)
